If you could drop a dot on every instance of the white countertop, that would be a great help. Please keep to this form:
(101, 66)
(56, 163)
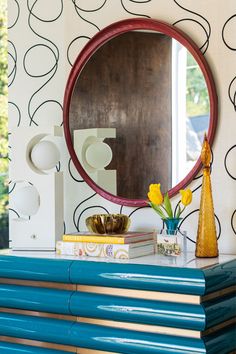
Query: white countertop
(186, 260)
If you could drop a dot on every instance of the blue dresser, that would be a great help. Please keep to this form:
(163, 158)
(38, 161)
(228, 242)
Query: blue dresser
(155, 304)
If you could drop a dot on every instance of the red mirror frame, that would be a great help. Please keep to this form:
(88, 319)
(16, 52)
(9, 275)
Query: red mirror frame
(95, 43)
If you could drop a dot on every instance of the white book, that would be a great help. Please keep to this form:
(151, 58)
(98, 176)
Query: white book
(105, 250)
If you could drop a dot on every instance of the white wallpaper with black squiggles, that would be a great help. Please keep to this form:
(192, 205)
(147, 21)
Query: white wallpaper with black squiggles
(44, 39)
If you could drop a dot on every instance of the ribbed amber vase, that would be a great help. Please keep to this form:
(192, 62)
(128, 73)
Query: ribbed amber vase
(206, 245)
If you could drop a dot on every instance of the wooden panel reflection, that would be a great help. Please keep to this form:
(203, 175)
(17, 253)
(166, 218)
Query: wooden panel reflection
(127, 85)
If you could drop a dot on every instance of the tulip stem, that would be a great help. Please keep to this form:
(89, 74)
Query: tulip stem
(182, 210)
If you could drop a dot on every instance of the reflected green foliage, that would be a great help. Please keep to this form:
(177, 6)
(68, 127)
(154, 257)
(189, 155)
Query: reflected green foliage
(197, 93)
(3, 127)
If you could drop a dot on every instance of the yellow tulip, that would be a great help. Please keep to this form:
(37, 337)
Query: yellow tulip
(154, 195)
(186, 196)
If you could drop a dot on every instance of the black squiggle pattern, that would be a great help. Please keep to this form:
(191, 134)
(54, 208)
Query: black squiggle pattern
(175, 210)
(232, 85)
(79, 9)
(13, 56)
(232, 221)
(121, 209)
(193, 212)
(17, 15)
(54, 50)
(11, 189)
(70, 172)
(130, 12)
(69, 47)
(58, 167)
(91, 10)
(135, 210)
(225, 162)
(83, 201)
(30, 9)
(163, 224)
(207, 30)
(232, 92)
(223, 33)
(18, 111)
(140, 1)
(14, 211)
(195, 189)
(47, 72)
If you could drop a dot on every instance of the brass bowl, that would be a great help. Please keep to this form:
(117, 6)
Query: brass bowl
(108, 223)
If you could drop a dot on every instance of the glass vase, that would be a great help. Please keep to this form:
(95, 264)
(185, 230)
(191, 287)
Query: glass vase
(171, 225)
(171, 244)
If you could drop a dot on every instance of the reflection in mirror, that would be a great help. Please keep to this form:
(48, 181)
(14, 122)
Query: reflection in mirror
(190, 111)
(141, 106)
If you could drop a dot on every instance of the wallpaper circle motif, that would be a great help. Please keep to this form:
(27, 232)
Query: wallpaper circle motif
(126, 6)
(12, 62)
(232, 92)
(233, 221)
(34, 107)
(14, 14)
(48, 60)
(43, 105)
(229, 28)
(75, 47)
(194, 214)
(81, 12)
(85, 5)
(15, 114)
(73, 172)
(228, 37)
(201, 23)
(230, 162)
(41, 11)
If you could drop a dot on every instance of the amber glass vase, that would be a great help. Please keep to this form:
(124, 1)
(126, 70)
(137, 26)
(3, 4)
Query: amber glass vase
(206, 245)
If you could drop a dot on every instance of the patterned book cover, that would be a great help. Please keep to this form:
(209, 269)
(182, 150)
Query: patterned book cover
(105, 250)
(114, 239)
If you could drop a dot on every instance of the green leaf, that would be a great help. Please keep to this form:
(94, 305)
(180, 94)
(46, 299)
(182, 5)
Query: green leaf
(167, 205)
(178, 212)
(157, 210)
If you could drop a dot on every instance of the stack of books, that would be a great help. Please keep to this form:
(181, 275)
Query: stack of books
(125, 246)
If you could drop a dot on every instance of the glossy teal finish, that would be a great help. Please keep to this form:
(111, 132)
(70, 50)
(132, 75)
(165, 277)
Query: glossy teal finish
(220, 276)
(220, 310)
(35, 328)
(110, 339)
(120, 275)
(222, 342)
(138, 310)
(132, 342)
(35, 299)
(137, 276)
(195, 317)
(11, 348)
(96, 337)
(35, 269)
(117, 275)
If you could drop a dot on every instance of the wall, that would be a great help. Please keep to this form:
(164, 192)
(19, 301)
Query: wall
(45, 38)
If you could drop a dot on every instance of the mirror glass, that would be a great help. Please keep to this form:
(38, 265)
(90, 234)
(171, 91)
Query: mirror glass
(138, 113)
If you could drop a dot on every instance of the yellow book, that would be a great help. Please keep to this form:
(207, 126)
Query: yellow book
(116, 239)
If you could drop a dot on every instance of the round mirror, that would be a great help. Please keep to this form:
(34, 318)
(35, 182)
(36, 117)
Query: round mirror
(138, 101)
